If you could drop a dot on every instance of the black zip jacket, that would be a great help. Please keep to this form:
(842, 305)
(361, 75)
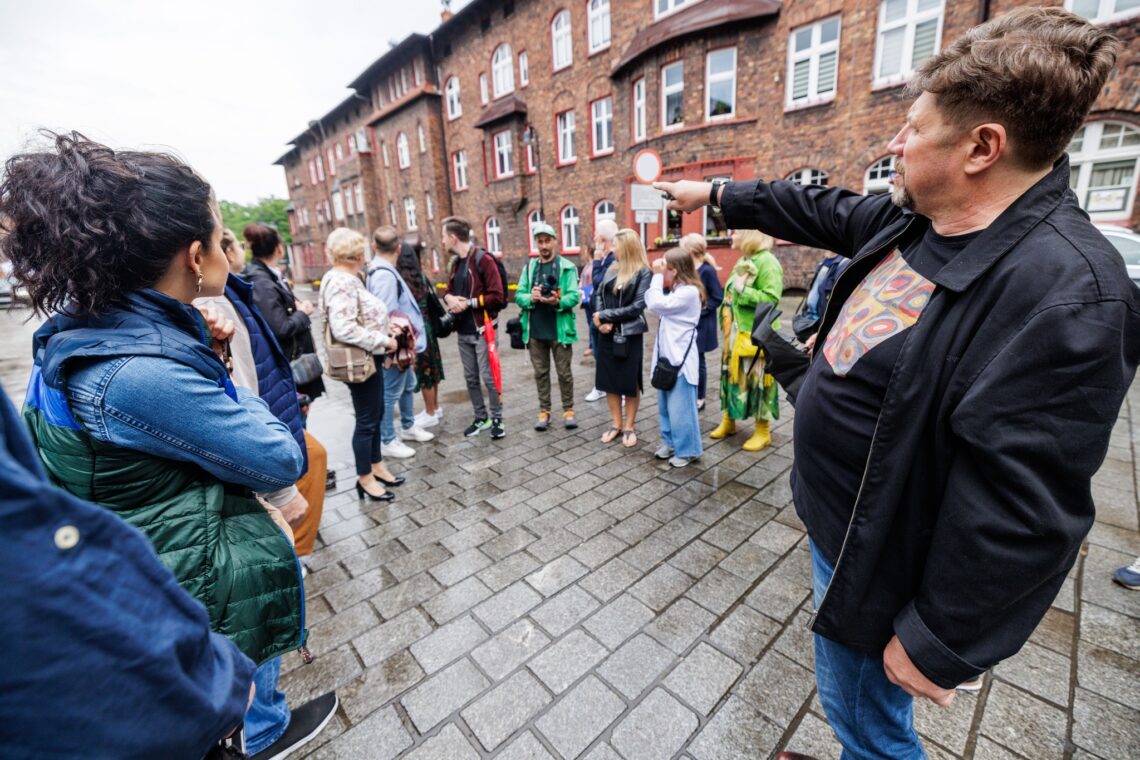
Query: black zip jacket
(976, 493)
(626, 307)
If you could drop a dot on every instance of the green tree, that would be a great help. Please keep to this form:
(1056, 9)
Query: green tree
(270, 211)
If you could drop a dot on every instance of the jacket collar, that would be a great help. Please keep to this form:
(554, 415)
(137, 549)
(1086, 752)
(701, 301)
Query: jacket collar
(1011, 226)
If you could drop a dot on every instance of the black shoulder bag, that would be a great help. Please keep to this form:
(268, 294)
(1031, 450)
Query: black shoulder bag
(665, 373)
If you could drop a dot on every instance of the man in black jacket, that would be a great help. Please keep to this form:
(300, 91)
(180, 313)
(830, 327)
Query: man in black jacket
(967, 372)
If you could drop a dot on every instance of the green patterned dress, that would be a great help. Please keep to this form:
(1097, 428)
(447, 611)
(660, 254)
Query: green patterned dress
(746, 393)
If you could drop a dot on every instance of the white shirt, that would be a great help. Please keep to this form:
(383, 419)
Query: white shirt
(680, 311)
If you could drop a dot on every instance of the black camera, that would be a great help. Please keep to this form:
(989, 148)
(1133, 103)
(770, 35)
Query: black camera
(547, 285)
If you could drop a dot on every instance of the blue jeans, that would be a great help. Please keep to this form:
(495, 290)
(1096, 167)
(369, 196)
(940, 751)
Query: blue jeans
(677, 416)
(399, 387)
(872, 718)
(268, 716)
(368, 408)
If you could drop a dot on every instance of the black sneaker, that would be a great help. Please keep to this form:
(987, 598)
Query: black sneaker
(476, 427)
(497, 430)
(304, 725)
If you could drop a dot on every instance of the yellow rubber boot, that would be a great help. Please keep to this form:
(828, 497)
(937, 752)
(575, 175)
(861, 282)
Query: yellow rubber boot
(726, 428)
(760, 439)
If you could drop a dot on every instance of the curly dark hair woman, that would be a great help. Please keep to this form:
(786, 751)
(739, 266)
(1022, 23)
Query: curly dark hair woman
(130, 403)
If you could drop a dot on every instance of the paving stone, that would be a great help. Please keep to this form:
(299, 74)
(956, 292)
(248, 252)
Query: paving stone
(1040, 672)
(385, 640)
(737, 732)
(507, 650)
(697, 558)
(429, 534)
(373, 557)
(555, 576)
(331, 554)
(322, 675)
(780, 704)
(680, 625)
(328, 635)
(661, 587)
(1105, 728)
(749, 561)
(796, 642)
(418, 561)
(610, 579)
(946, 726)
(776, 537)
(987, 750)
(471, 536)
(391, 602)
(344, 595)
(512, 516)
(744, 634)
(1110, 630)
(1109, 674)
(550, 521)
(526, 747)
(655, 729)
(380, 735)
(648, 552)
(469, 516)
(554, 545)
(727, 534)
(505, 709)
(634, 528)
(442, 694)
(508, 543)
(718, 590)
(448, 643)
(637, 664)
(1055, 631)
(1097, 585)
(1023, 723)
(456, 600)
(346, 528)
(322, 580)
(703, 677)
(379, 685)
(448, 744)
(507, 606)
(598, 550)
(618, 620)
(564, 611)
(567, 660)
(506, 571)
(460, 566)
(580, 717)
(777, 597)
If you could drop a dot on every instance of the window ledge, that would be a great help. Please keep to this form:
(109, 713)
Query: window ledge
(807, 105)
(504, 177)
(562, 68)
(600, 50)
(881, 85)
(602, 154)
(565, 164)
(707, 125)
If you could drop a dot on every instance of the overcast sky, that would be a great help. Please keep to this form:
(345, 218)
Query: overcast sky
(225, 85)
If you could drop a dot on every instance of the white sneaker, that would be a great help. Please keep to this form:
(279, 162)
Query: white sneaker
(416, 433)
(397, 449)
(425, 420)
(595, 395)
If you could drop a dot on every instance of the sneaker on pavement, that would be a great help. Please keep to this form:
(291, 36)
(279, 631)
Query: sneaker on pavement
(569, 420)
(1129, 577)
(681, 461)
(476, 427)
(416, 433)
(595, 395)
(425, 420)
(397, 449)
(665, 452)
(305, 723)
(542, 424)
(497, 430)
(973, 685)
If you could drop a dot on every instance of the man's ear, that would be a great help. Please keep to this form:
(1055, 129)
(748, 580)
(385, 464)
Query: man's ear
(988, 143)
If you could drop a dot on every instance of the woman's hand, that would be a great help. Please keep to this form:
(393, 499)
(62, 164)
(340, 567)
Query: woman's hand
(305, 307)
(597, 322)
(606, 327)
(658, 265)
(220, 327)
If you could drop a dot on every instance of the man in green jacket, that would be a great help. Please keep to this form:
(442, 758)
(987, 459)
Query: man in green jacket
(548, 293)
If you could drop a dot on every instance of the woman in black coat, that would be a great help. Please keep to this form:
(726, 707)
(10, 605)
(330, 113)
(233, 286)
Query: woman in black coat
(287, 316)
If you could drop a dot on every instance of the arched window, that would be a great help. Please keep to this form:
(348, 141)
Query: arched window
(533, 218)
(809, 177)
(571, 224)
(1102, 168)
(560, 41)
(604, 210)
(599, 25)
(878, 175)
(402, 155)
(451, 90)
(502, 71)
(494, 234)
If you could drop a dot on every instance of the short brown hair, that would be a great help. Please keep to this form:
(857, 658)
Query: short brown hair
(458, 227)
(386, 239)
(1036, 71)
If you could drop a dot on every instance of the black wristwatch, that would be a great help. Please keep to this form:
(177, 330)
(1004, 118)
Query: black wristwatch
(717, 184)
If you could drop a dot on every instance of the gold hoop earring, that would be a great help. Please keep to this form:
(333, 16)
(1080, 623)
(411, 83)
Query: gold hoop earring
(199, 283)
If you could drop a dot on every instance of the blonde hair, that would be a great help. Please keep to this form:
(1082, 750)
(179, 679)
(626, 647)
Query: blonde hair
(345, 245)
(750, 242)
(695, 245)
(681, 262)
(630, 257)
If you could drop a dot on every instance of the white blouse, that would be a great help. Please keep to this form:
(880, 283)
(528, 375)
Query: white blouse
(680, 311)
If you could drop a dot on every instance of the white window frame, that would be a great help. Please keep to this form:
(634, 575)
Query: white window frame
(332, 161)
(1090, 155)
(602, 126)
(312, 171)
(666, 91)
(421, 137)
(533, 218)
(531, 164)
(403, 155)
(711, 79)
(338, 206)
(876, 178)
(813, 55)
(598, 25)
(429, 207)
(358, 191)
(504, 154)
(484, 96)
(640, 116)
(502, 71)
(418, 71)
(384, 153)
(454, 104)
(663, 8)
(601, 212)
(338, 151)
(1106, 11)
(912, 19)
(524, 69)
(561, 41)
(570, 223)
(493, 235)
(459, 169)
(567, 142)
(392, 213)
(349, 205)
(410, 212)
(809, 176)
(320, 169)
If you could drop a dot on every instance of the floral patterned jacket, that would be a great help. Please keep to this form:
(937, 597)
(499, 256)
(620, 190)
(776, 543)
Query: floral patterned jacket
(354, 315)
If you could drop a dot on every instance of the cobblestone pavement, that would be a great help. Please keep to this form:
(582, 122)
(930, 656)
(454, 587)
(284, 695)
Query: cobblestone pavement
(548, 596)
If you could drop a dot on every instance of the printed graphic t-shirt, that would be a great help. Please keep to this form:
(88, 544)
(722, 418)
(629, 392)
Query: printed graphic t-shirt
(842, 394)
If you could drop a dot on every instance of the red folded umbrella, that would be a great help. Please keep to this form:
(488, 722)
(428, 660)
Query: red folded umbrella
(493, 352)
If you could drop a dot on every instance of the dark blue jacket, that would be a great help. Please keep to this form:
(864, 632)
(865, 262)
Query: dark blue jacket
(106, 656)
(598, 269)
(708, 328)
(274, 376)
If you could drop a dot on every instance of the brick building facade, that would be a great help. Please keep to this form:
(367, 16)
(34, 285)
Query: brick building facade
(538, 107)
